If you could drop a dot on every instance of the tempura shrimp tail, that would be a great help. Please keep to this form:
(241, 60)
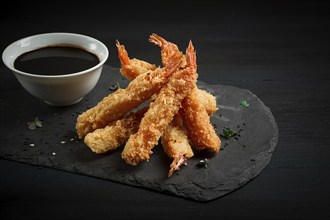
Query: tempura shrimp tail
(176, 144)
(167, 49)
(178, 161)
(131, 68)
(161, 112)
(114, 135)
(122, 54)
(118, 104)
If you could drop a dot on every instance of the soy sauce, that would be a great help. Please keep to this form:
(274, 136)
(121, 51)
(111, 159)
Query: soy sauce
(56, 60)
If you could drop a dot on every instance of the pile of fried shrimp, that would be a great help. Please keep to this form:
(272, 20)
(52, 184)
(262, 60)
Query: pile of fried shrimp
(178, 113)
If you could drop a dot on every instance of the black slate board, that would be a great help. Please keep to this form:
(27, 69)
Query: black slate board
(55, 144)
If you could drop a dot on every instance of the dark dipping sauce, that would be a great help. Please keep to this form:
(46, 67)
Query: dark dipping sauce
(56, 60)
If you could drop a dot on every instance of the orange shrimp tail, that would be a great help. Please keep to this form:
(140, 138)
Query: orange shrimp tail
(122, 54)
(191, 56)
(168, 49)
(157, 40)
(178, 161)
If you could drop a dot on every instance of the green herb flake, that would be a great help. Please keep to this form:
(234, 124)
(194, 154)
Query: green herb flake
(203, 163)
(34, 124)
(38, 123)
(115, 87)
(228, 133)
(244, 103)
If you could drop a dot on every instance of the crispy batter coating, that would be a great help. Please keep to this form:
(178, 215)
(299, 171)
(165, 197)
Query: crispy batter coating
(158, 117)
(114, 135)
(207, 100)
(176, 145)
(197, 122)
(122, 101)
(160, 114)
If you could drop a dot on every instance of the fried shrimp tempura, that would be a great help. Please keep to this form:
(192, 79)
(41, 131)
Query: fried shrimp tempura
(176, 144)
(197, 122)
(161, 112)
(117, 133)
(131, 68)
(122, 101)
(196, 118)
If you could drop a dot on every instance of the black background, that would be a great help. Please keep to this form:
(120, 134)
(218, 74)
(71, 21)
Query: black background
(277, 49)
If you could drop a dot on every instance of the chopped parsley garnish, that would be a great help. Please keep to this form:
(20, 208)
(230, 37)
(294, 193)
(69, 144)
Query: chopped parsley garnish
(115, 87)
(244, 103)
(203, 163)
(34, 124)
(228, 133)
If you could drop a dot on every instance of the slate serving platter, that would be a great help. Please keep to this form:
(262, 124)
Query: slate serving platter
(56, 145)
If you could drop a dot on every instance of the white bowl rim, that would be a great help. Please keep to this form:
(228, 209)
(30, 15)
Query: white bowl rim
(56, 76)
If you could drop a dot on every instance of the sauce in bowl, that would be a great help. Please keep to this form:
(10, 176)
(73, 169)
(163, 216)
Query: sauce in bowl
(56, 60)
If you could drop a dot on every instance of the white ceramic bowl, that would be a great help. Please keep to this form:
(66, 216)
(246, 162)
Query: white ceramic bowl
(58, 90)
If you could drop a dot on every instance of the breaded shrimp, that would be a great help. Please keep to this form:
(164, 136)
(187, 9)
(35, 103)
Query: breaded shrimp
(196, 119)
(119, 103)
(176, 144)
(207, 100)
(161, 112)
(117, 133)
(167, 49)
(131, 68)
(197, 122)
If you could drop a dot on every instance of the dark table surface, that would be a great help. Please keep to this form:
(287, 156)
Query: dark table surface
(279, 50)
